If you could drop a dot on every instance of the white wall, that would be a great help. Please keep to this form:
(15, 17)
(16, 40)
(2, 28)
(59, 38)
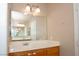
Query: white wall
(61, 26)
(3, 29)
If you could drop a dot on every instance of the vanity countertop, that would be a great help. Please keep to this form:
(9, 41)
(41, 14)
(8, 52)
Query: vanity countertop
(31, 45)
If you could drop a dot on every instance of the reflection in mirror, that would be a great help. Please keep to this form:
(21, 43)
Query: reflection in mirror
(20, 26)
(27, 27)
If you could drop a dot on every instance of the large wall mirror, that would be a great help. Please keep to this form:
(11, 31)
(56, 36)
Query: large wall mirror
(27, 27)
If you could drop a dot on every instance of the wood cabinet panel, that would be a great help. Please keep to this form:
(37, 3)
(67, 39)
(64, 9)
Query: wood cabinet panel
(17, 54)
(40, 52)
(24, 53)
(53, 51)
(11, 54)
(28, 53)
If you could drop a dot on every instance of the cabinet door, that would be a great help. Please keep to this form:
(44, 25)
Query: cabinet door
(40, 52)
(54, 51)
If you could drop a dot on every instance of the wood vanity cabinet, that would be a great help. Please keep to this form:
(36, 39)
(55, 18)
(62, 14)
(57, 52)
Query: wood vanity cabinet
(53, 51)
(39, 52)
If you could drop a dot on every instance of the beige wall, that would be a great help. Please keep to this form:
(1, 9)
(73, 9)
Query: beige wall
(60, 26)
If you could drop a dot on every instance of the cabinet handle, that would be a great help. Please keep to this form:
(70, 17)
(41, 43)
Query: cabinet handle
(34, 53)
(29, 54)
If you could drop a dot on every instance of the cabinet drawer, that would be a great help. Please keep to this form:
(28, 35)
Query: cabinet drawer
(28, 53)
(17, 54)
(25, 53)
(11, 54)
(40, 52)
(53, 51)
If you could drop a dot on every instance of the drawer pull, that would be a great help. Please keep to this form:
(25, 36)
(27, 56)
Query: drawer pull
(34, 53)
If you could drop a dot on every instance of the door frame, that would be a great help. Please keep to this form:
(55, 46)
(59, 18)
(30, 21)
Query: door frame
(76, 27)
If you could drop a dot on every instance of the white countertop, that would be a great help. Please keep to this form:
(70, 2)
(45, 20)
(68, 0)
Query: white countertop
(38, 44)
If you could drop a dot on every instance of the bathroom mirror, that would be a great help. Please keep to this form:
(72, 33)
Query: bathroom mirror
(27, 27)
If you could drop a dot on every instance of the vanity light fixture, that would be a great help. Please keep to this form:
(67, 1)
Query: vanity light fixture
(27, 9)
(30, 9)
(20, 25)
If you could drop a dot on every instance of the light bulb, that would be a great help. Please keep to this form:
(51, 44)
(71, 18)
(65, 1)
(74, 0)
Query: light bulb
(37, 10)
(21, 25)
(27, 9)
